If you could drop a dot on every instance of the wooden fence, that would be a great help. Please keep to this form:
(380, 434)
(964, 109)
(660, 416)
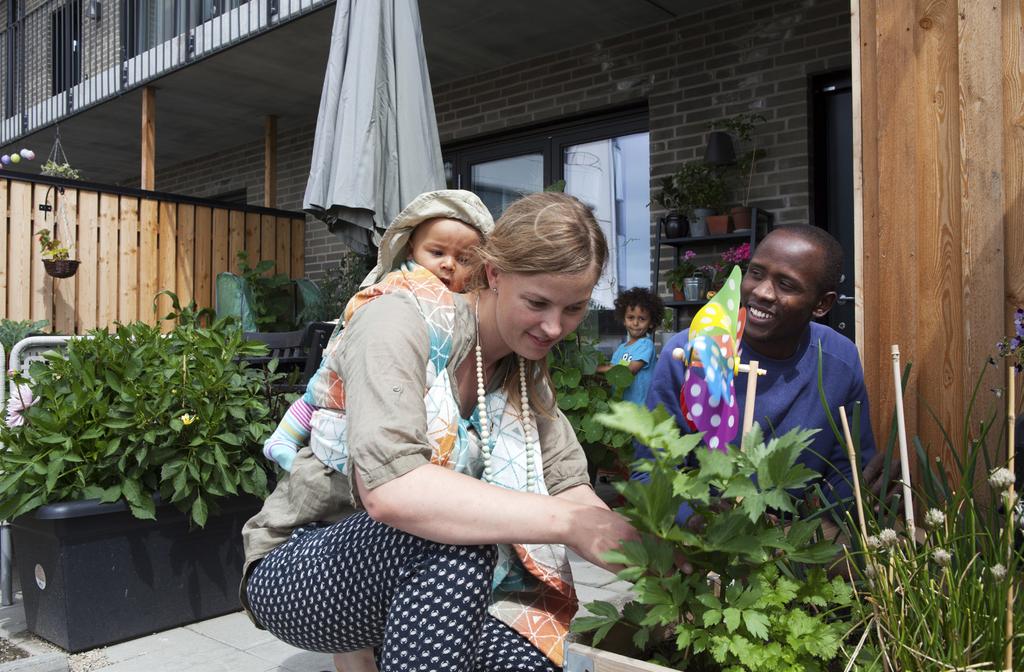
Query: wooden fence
(131, 245)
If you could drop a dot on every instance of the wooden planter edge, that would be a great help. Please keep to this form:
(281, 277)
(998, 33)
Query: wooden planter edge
(582, 658)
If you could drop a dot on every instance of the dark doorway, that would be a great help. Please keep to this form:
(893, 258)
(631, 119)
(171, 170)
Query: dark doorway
(832, 180)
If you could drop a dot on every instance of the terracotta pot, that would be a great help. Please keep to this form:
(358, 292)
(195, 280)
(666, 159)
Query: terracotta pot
(677, 294)
(718, 224)
(740, 218)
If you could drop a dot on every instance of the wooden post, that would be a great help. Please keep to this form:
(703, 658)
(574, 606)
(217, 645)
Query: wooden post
(270, 162)
(147, 179)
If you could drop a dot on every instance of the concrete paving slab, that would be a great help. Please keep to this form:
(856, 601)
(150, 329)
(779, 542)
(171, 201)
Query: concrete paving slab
(220, 659)
(289, 658)
(234, 630)
(45, 662)
(163, 645)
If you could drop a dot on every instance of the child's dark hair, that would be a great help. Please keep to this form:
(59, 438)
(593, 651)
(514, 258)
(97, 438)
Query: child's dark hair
(640, 297)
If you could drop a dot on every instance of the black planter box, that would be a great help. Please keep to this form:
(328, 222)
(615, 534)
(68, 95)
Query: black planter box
(92, 574)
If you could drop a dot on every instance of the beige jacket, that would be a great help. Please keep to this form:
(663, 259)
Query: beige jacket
(382, 360)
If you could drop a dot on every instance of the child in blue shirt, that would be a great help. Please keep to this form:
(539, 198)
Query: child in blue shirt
(640, 310)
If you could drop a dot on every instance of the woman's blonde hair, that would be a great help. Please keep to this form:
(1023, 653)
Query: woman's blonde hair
(547, 232)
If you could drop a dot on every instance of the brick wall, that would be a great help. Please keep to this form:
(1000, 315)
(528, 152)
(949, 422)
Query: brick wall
(745, 56)
(750, 55)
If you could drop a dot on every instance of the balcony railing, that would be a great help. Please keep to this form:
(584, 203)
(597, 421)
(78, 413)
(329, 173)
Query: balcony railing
(58, 57)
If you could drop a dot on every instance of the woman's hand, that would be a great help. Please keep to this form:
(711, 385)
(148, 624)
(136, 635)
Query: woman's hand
(597, 530)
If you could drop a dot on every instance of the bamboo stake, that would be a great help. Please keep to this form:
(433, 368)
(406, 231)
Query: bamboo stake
(854, 469)
(1011, 421)
(908, 501)
(748, 406)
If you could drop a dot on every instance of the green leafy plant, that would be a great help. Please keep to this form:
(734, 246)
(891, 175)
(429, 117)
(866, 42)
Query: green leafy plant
(743, 126)
(733, 589)
(694, 185)
(583, 393)
(135, 413)
(273, 296)
(12, 331)
(59, 169)
(51, 248)
(341, 283)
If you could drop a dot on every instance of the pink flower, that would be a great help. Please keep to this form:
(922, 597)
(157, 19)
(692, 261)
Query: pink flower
(19, 401)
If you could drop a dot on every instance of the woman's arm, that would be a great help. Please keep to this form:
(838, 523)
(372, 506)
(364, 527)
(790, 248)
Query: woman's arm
(438, 504)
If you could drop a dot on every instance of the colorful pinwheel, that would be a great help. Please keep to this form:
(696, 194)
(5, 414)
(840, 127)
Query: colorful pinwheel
(708, 396)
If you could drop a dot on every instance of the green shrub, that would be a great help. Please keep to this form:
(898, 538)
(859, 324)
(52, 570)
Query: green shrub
(733, 589)
(134, 413)
(12, 331)
(583, 393)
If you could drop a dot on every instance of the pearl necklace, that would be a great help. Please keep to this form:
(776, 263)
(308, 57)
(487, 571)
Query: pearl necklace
(486, 446)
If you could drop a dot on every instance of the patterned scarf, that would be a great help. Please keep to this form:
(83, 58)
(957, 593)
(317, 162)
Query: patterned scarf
(532, 589)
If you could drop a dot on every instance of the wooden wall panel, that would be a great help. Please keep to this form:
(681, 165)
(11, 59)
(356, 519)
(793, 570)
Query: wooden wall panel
(981, 167)
(1013, 161)
(939, 152)
(268, 241)
(221, 243)
(128, 260)
(149, 258)
(204, 257)
(129, 248)
(297, 264)
(252, 236)
(282, 252)
(167, 259)
(87, 315)
(236, 238)
(185, 283)
(109, 229)
(20, 258)
(41, 284)
(65, 294)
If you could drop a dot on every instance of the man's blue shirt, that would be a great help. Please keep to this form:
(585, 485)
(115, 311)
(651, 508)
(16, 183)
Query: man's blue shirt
(788, 397)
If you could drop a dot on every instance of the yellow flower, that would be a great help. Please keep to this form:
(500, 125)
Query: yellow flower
(187, 419)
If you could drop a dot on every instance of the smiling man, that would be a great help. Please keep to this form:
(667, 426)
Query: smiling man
(792, 280)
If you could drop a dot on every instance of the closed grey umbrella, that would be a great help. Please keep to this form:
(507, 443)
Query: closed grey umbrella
(376, 145)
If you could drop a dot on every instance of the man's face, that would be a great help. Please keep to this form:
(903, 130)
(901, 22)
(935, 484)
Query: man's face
(782, 293)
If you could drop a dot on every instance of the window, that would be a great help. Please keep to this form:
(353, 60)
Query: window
(65, 46)
(605, 162)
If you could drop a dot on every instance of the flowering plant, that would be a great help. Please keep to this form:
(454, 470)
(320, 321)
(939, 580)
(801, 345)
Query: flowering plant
(964, 557)
(737, 256)
(1013, 348)
(686, 268)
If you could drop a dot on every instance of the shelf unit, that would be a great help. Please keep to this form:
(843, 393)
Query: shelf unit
(761, 224)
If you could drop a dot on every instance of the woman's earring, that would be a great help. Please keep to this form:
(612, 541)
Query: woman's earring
(494, 289)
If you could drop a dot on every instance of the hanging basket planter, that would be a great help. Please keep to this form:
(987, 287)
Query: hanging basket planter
(61, 268)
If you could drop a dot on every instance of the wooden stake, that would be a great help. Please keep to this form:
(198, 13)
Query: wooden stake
(854, 470)
(908, 500)
(1011, 421)
(748, 406)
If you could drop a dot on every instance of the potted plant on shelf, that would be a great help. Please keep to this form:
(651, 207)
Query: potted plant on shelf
(703, 190)
(743, 126)
(140, 439)
(686, 280)
(674, 223)
(56, 257)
